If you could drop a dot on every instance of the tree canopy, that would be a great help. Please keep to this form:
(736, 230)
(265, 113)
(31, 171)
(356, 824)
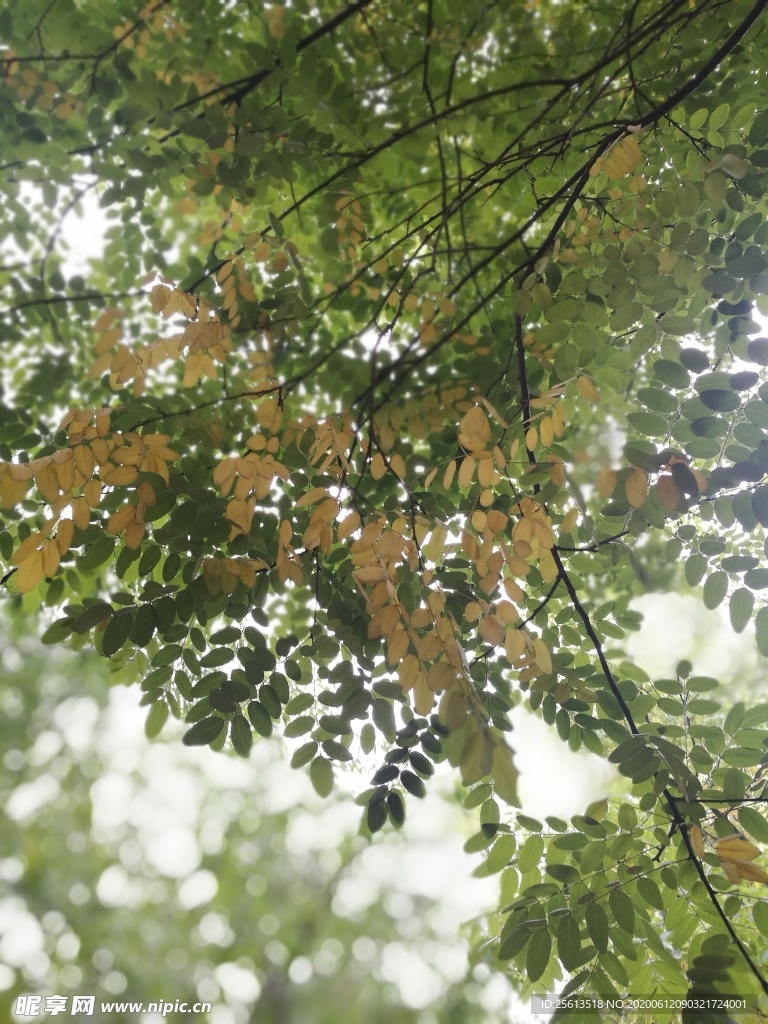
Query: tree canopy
(424, 338)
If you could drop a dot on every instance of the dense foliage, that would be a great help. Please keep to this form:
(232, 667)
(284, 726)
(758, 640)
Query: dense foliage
(425, 337)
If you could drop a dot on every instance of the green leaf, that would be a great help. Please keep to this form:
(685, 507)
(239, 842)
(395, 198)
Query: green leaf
(97, 553)
(743, 757)
(752, 821)
(298, 727)
(650, 892)
(622, 910)
(757, 579)
(568, 942)
(260, 718)
(719, 115)
(303, 754)
(321, 776)
(513, 944)
(650, 424)
(597, 925)
(204, 732)
(501, 854)
(670, 373)
(761, 631)
(156, 718)
(760, 505)
(376, 815)
(757, 351)
(241, 736)
(396, 809)
(57, 631)
(116, 633)
(92, 617)
(760, 916)
(530, 854)
(539, 950)
(715, 589)
(740, 609)
(413, 784)
(695, 568)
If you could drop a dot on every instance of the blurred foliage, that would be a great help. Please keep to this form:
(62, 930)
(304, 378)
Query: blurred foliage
(242, 916)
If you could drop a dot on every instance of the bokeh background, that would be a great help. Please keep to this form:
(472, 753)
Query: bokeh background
(143, 870)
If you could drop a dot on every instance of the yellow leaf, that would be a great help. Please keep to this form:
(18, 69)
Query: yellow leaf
(569, 521)
(378, 466)
(313, 535)
(586, 388)
(474, 430)
(134, 535)
(224, 271)
(531, 437)
(513, 591)
(408, 672)
(158, 297)
(697, 839)
(732, 872)
(472, 611)
(397, 465)
(736, 848)
(668, 492)
(434, 546)
(423, 698)
(636, 487)
(81, 513)
(751, 872)
(30, 572)
(397, 643)
(606, 482)
(120, 520)
(348, 525)
(440, 676)
(311, 497)
(84, 461)
(26, 549)
(541, 655)
(262, 252)
(12, 491)
(492, 631)
(514, 644)
(450, 472)
(546, 431)
(47, 482)
(119, 476)
(466, 471)
(496, 521)
(64, 535)
(92, 492)
(146, 493)
(371, 574)
(51, 557)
